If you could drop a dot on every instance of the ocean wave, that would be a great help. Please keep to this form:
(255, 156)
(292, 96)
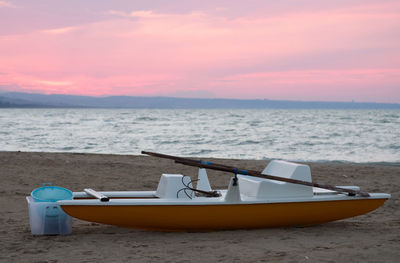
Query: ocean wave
(146, 119)
(307, 135)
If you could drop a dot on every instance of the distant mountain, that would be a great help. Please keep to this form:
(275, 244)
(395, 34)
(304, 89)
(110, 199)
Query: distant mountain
(6, 102)
(24, 100)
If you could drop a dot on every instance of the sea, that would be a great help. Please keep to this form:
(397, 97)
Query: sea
(354, 136)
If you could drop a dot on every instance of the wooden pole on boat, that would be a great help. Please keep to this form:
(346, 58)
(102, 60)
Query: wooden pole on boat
(176, 159)
(231, 169)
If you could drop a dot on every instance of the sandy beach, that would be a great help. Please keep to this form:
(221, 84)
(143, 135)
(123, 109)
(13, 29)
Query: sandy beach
(374, 237)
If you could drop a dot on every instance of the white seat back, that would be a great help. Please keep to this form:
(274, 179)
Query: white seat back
(169, 186)
(202, 180)
(265, 188)
(285, 169)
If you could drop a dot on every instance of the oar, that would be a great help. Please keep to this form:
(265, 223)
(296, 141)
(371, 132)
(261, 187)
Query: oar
(176, 158)
(231, 169)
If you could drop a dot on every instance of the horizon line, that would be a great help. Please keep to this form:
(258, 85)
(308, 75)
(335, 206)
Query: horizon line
(198, 98)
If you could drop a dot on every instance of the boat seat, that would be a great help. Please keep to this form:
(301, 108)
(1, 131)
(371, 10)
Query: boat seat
(169, 186)
(265, 188)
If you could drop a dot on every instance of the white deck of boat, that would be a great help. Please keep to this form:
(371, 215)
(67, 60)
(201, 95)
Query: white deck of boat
(207, 200)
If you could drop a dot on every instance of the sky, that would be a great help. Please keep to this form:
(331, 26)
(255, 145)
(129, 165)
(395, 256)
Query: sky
(288, 50)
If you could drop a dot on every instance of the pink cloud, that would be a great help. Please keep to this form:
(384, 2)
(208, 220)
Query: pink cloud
(57, 31)
(7, 4)
(330, 54)
(339, 85)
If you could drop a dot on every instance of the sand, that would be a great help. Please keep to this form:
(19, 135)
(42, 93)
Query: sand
(374, 237)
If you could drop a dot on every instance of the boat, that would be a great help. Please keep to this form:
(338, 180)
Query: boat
(289, 199)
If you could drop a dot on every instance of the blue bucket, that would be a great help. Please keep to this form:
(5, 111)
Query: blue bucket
(49, 193)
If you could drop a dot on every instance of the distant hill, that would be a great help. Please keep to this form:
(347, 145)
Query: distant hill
(25, 100)
(6, 102)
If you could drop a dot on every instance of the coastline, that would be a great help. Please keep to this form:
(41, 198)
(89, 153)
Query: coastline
(373, 237)
(218, 159)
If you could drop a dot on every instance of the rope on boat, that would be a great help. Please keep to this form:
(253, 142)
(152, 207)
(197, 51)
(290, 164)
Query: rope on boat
(194, 190)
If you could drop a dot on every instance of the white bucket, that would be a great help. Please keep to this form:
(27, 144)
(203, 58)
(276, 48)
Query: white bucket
(47, 218)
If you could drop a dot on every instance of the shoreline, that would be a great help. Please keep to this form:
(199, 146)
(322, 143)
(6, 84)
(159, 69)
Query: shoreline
(373, 237)
(221, 158)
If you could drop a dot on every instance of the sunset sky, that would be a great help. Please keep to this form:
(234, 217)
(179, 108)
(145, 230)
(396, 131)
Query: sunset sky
(295, 50)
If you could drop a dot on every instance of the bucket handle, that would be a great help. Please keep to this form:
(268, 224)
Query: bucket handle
(47, 184)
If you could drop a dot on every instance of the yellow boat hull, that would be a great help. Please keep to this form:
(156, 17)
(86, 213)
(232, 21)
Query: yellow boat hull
(222, 216)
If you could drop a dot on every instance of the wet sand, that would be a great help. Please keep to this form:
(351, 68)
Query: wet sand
(374, 237)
